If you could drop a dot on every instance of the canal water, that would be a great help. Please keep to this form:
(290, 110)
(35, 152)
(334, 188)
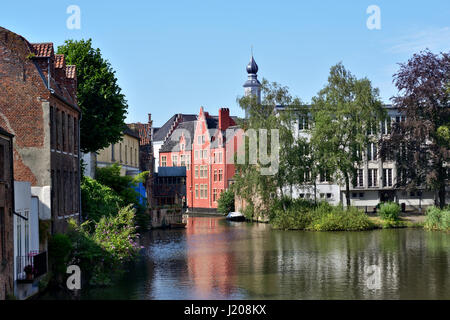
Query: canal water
(216, 259)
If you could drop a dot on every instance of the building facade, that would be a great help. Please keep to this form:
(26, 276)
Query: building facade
(206, 148)
(125, 153)
(39, 106)
(6, 215)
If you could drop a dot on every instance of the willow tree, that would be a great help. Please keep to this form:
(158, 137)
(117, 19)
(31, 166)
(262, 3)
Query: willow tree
(343, 112)
(424, 101)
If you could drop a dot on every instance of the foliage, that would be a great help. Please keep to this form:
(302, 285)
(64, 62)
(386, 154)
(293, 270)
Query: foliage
(343, 112)
(305, 215)
(225, 204)
(101, 251)
(98, 200)
(389, 211)
(123, 187)
(438, 219)
(59, 248)
(258, 181)
(99, 96)
(421, 140)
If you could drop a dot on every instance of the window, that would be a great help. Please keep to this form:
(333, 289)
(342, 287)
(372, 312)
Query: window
(214, 194)
(75, 125)
(196, 155)
(386, 126)
(324, 176)
(163, 161)
(220, 174)
(329, 195)
(373, 177)
(196, 172)
(135, 157)
(200, 140)
(359, 178)
(387, 177)
(120, 152)
(303, 123)
(2, 163)
(372, 152)
(126, 154)
(196, 191)
(63, 127)
(205, 154)
(52, 127)
(215, 175)
(174, 160)
(2, 234)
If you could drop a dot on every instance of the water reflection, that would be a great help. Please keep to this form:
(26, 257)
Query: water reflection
(217, 259)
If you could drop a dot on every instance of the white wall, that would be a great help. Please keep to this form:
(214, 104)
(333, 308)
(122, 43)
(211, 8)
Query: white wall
(156, 146)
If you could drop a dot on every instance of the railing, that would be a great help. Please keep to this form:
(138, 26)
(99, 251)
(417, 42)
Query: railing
(31, 266)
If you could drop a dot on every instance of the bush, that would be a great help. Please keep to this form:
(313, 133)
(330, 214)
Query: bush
(438, 219)
(59, 249)
(101, 251)
(389, 211)
(304, 215)
(98, 200)
(225, 204)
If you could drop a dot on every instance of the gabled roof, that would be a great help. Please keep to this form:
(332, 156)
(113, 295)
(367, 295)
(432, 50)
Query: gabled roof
(161, 133)
(60, 61)
(43, 50)
(172, 144)
(71, 71)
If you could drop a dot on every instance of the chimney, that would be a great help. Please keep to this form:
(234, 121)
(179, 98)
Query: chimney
(150, 118)
(224, 118)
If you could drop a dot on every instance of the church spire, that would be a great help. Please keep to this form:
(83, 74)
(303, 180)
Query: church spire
(252, 86)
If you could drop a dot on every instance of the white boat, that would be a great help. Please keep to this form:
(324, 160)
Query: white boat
(235, 216)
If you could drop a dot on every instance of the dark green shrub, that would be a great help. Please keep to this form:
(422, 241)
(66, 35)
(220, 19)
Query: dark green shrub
(98, 200)
(59, 250)
(225, 204)
(389, 211)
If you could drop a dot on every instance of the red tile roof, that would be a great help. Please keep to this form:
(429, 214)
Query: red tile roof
(59, 61)
(71, 71)
(43, 50)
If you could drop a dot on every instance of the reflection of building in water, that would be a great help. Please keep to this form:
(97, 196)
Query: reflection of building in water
(211, 265)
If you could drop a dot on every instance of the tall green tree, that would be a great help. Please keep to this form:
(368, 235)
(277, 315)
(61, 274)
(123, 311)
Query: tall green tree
(100, 98)
(344, 112)
(423, 136)
(250, 184)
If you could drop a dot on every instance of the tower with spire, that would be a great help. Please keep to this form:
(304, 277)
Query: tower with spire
(252, 86)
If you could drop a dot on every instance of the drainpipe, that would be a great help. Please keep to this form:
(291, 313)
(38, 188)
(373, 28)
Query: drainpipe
(79, 168)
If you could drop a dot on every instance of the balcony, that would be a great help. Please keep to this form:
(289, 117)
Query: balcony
(31, 266)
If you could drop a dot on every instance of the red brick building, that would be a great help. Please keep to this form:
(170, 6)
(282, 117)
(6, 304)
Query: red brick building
(38, 104)
(206, 147)
(6, 216)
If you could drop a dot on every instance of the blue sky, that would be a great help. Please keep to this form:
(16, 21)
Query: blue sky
(175, 56)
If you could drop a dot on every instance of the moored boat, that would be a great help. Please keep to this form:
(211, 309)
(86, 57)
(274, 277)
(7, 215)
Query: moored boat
(235, 216)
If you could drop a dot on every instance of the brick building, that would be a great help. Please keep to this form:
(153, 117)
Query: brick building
(206, 147)
(38, 104)
(6, 217)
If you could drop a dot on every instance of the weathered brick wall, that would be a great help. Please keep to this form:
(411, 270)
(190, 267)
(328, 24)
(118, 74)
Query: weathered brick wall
(45, 146)
(21, 105)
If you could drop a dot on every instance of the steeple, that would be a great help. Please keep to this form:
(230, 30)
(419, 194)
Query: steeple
(252, 86)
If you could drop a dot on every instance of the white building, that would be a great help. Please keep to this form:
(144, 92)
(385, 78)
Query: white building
(27, 254)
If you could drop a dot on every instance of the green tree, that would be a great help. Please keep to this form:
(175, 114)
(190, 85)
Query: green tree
(225, 204)
(275, 111)
(102, 104)
(344, 112)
